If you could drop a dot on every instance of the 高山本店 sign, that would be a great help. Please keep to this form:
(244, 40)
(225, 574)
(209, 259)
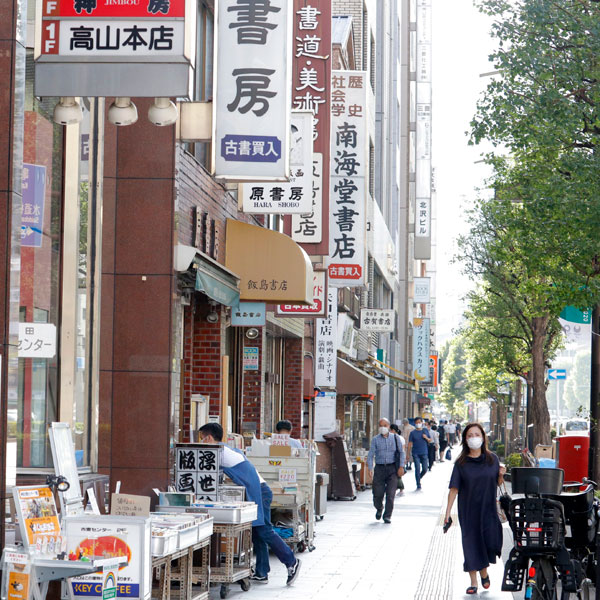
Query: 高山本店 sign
(252, 91)
(106, 48)
(349, 160)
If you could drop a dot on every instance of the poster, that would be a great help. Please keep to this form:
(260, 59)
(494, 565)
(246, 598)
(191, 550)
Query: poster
(325, 421)
(197, 470)
(348, 179)
(38, 517)
(108, 536)
(250, 358)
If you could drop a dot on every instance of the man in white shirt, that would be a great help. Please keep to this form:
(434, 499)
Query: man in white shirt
(285, 427)
(451, 427)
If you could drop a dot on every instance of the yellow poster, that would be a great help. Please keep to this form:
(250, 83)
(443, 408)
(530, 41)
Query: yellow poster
(18, 586)
(38, 512)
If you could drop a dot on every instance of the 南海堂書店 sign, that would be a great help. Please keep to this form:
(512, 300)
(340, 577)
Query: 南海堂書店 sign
(113, 48)
(252, 90)
(348, 179)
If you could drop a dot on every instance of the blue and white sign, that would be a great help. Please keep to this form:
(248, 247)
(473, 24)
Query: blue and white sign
(250, 358)
(556, 374)
(34, 193)
(249, 314)
(252, 99)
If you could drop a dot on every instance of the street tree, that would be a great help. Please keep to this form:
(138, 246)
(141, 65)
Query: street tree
(454, 381)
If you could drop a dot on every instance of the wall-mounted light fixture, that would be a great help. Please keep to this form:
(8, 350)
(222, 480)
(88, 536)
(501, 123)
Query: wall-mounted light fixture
(67, 111)
(213, 315)
(252, 333)
(122, 112)
(162, 112)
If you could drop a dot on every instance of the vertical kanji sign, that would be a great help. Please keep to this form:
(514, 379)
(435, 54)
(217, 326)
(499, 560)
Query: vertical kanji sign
(252, 99)
(311, 91)
(326, 344)
(115, 47)
(197, 470)
(349, 178)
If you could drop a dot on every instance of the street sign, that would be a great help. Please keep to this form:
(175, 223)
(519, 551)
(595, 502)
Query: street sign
(555, 374)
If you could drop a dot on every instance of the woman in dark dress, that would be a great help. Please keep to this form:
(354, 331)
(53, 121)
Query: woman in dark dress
(477, 472)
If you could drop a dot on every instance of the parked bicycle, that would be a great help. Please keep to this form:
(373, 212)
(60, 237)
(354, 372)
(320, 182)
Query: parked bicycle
(556, 536)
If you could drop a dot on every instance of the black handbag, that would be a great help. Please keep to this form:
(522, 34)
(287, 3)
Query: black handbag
(397, 455)
(504, 503)
(448, 454)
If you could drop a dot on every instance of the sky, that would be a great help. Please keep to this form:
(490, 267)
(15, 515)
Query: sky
(461, 46)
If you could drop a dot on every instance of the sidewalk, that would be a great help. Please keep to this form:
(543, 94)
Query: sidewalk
(358, 557)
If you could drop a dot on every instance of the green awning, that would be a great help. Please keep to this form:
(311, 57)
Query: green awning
(216, 282)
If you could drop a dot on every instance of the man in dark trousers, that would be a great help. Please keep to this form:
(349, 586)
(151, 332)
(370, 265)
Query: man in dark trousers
(417, 446)
(384, 447)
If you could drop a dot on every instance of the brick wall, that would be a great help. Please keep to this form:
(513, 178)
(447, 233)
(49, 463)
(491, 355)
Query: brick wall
(293, 382)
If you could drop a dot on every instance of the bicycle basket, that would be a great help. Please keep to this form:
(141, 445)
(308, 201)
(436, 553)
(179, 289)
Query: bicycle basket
(538, 524)
(536, 480)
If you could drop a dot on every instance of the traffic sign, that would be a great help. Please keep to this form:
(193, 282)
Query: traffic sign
(555, 374)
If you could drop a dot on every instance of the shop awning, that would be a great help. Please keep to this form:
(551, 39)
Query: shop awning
(353, 381)
(271, 266)
(212, 279)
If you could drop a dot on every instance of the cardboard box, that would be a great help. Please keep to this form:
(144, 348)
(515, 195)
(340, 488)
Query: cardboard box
(280, 451)
(544, 451)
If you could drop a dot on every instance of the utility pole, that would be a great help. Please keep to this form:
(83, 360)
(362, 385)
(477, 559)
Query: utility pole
(594, 466)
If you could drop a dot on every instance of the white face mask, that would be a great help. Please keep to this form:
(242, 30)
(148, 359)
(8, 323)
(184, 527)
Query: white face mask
(384, 430)
(419, 425)
(475, 442)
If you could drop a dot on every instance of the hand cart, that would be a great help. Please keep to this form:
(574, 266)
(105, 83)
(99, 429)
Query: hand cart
(297, 542)
(231, 555)
(192, 569)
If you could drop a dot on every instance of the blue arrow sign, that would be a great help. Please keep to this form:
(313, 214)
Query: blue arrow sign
(555, 374)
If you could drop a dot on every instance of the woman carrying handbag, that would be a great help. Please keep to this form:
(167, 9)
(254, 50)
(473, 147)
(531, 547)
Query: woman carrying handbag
(477, 474)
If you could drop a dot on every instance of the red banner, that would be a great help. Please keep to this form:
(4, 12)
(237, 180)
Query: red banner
(119, 9)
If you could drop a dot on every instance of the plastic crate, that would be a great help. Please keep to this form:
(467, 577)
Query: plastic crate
(205, 528)
(538, 524)
(165, 543)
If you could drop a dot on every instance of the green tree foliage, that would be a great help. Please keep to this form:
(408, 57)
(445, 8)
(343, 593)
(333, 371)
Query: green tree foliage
(534, 246)
(454, 376)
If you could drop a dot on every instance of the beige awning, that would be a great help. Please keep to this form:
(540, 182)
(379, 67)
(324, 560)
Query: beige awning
(271, 266)
(353, 381)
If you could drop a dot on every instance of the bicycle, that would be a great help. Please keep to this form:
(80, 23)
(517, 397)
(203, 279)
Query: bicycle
(555, 529)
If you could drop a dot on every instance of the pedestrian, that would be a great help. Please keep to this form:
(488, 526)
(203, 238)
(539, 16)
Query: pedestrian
(242, 472)
(458, 430)
(451, 433)
(436, 443)
(477, 472)
(285, 427)
(417, 448)
(405, 431)
(443, 435)
(430, 445)
(396, 430)
(389, 456)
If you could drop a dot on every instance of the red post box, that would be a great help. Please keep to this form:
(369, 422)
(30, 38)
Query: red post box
(573, 453)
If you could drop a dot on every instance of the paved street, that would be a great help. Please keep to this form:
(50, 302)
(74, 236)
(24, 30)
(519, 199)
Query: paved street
(359, 557)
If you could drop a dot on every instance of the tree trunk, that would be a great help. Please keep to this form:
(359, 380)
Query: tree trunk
(517, 411)
(539, 415)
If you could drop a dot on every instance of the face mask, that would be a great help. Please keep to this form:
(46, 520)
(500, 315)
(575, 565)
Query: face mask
(419, 425)
(384, 430)
(475, 442)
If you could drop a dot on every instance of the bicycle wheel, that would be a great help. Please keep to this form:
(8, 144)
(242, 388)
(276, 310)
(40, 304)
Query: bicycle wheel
(545, 580)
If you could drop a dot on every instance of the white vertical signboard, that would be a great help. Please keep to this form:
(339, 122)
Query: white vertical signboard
(292, 197)
(349, 178)
(326, 344)
(423, 132)
(252, 99)
(308, 228)
(421, 349)
(422, 290)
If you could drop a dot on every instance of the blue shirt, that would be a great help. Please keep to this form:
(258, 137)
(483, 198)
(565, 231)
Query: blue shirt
(383, 450)
(419, 444)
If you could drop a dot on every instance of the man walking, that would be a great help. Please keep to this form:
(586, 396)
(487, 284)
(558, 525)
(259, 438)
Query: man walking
(417, 447)
(405, 432)
(443, 439)
(451, 433)
(384, 447)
